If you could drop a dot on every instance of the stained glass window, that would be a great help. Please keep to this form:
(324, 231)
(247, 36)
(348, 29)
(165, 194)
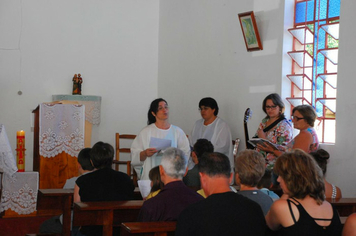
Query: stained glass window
(315, 61)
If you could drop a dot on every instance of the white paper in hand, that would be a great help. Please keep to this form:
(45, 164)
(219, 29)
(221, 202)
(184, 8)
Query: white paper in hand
(159, 143)
(145, 187)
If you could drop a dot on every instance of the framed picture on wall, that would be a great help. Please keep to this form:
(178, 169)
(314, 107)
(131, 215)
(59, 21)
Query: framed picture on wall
(250, 31)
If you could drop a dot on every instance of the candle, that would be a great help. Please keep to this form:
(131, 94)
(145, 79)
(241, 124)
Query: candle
(20, 150)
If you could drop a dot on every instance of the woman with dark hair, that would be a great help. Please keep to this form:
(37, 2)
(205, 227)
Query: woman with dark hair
(103, 184)
(212, 128)
(274, 127)
(156, 182)
(321, 157)
(303, 118)
(144, 157)
(302, 210)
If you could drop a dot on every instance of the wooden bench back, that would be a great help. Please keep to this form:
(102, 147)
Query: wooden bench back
(148, 228)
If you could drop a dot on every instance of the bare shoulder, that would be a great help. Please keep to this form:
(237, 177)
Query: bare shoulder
(304, 134)
(350, 226)
(280, 215)
(303, 140)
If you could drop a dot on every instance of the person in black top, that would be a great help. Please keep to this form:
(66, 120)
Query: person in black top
(103, 184)
(201, 146)
(223, 212)
(302, 210)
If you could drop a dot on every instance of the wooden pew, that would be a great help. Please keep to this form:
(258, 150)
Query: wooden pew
(56, 202)
(345, 206)
(50, 202)
(107, 214)
(137, 194)
(148, 228)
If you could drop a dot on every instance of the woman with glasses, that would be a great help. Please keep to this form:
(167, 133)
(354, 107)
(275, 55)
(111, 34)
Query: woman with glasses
(143, 156)
(303, 118)
(212, 128)
(274, 127)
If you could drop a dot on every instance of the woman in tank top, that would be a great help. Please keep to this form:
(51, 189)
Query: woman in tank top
(302, 210)
(321, 157)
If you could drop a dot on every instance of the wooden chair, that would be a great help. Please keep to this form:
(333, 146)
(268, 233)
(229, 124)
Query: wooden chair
(119, 150)
(236, 143)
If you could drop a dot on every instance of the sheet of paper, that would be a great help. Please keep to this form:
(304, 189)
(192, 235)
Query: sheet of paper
(145, 187)
(160, 144)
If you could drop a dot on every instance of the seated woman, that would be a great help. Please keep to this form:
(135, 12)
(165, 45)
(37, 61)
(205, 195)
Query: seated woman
(146, 157)
(302, 210)
(303, 119)
(274, 127)
(250, 167)
(192, 179)
(156, 183)
(212, 128)
(321, 157)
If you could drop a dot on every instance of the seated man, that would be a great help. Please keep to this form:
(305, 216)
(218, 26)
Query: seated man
(223, 212)
(192, 178)
(250, 167)
(175, 195)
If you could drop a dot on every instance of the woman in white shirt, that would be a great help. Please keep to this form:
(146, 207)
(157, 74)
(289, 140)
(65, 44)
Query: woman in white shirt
(212, 128)
(144, 157)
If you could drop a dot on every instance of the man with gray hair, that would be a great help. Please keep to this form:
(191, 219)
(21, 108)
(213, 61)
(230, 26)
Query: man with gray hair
(175, 196)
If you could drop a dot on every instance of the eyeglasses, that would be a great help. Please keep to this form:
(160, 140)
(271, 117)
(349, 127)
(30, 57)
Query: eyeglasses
(297, 118)
(161, 108)
(271, 107)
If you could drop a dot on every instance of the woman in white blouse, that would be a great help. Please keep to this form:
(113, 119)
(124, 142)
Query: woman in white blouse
(212, 128)
(144, 157)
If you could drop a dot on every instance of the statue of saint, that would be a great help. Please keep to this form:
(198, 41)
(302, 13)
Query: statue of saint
(77, 84)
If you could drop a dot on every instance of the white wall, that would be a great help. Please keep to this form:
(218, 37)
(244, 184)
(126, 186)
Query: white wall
(113, 44)
(202, 53)
(130, 51)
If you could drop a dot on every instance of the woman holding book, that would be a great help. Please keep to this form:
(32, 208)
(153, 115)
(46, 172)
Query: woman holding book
(274, 127)
(303, 119)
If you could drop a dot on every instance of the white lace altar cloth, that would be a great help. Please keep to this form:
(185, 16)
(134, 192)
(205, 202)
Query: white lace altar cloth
(19, 192)
(92, 105)
(7, 159)
(61, 129)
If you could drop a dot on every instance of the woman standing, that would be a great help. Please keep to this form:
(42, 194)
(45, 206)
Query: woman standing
(274, 127)
(146, 157)
(212, 128)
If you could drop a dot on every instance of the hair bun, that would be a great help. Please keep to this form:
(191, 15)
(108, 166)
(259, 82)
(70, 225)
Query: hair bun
(322, 154)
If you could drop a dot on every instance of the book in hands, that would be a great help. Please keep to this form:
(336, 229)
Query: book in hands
(263, 142)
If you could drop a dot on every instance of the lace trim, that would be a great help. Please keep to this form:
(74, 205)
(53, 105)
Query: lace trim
(61, 129)
(20, 192)
(7, 159)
